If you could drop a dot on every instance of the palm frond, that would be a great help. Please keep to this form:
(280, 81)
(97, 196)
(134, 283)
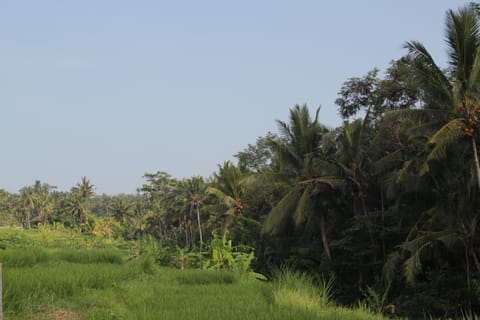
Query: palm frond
(418, 116)
(226, 199)
(326, 167)
(387, 162)
(404, 171)
(413, 266)
(390, 266)
(474, 78)
(445, 136)
(278, 218)
(462, 37)
(301, 210)
(333, 182)
(430, 76)
(426, 129)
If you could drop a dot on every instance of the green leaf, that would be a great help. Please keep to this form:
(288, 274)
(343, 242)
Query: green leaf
(277, 219)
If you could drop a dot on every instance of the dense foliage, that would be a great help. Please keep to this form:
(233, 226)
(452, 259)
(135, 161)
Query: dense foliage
(388, 202)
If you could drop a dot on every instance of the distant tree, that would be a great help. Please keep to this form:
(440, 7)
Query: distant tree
(227, 187)
(44, 201)
(257, 157)
(370, 97)
(79, 202)
(193, 192)
(27, 197)
(160, 193)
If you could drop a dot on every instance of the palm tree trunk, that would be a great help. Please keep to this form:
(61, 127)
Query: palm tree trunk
(467, 265)
(186, 230)
(475, 158)
(190, 227)
(384, 250)
(475, 259)
(199, 227)
(160, 232)
(323, 230)
(28, 219)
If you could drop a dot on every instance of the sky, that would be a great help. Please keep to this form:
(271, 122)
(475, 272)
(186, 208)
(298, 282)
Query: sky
(114, 89)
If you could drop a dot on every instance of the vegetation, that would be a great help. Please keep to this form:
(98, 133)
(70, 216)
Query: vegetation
(103, 283)
(387, 205)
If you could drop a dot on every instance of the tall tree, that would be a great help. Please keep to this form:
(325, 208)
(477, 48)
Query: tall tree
(44, 201)
(451, 99)
(228, 188)
(27, 196)
(193, 192)
(79, 202)
(296, 154)
(448, 164)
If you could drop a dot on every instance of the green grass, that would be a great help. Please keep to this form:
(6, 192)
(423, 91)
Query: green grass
(101, 284)
(22, 257)
(199, 277)
(92, 256)
(37, 288)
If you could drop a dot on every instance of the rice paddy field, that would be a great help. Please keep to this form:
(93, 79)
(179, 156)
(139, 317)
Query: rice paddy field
(60, 276)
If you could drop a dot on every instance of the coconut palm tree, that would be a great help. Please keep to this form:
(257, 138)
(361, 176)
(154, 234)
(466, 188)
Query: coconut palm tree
(296, 154)
(193, 191)
(451, 99)
(28, 200)
(79, 200)
(448, 163)
(45, 204)
(228, 188)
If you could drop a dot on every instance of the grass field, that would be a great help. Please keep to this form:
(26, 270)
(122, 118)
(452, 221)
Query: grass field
(49, 279)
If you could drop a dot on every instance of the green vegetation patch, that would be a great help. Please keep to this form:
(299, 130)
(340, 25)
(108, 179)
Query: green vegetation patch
(23, 257)
(92, 256)
(204, 277)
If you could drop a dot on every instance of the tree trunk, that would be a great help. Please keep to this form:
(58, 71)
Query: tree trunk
(190, 228)
(199, 227)
(475, 158)
(323, 230)
(28, 219)
(467, 265)
(475, 259)
(186, 230)
(160, 232)
(384, 250)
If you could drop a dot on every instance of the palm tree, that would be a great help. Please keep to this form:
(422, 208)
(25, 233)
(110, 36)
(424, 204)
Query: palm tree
(84, 189)
(448, 119)
(451, 107)
(228, 188)
(45, 204)
(78, 204)
(121, 209)
(296, 154)
(28, 200)
(44, 201)
(140, 218)
(193, 192)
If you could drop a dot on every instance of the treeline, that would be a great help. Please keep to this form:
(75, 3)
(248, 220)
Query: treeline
(388, 202)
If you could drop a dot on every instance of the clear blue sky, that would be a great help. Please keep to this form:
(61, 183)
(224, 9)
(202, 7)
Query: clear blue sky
(112, 89)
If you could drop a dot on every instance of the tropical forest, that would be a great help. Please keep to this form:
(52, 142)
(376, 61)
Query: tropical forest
(374, 219)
